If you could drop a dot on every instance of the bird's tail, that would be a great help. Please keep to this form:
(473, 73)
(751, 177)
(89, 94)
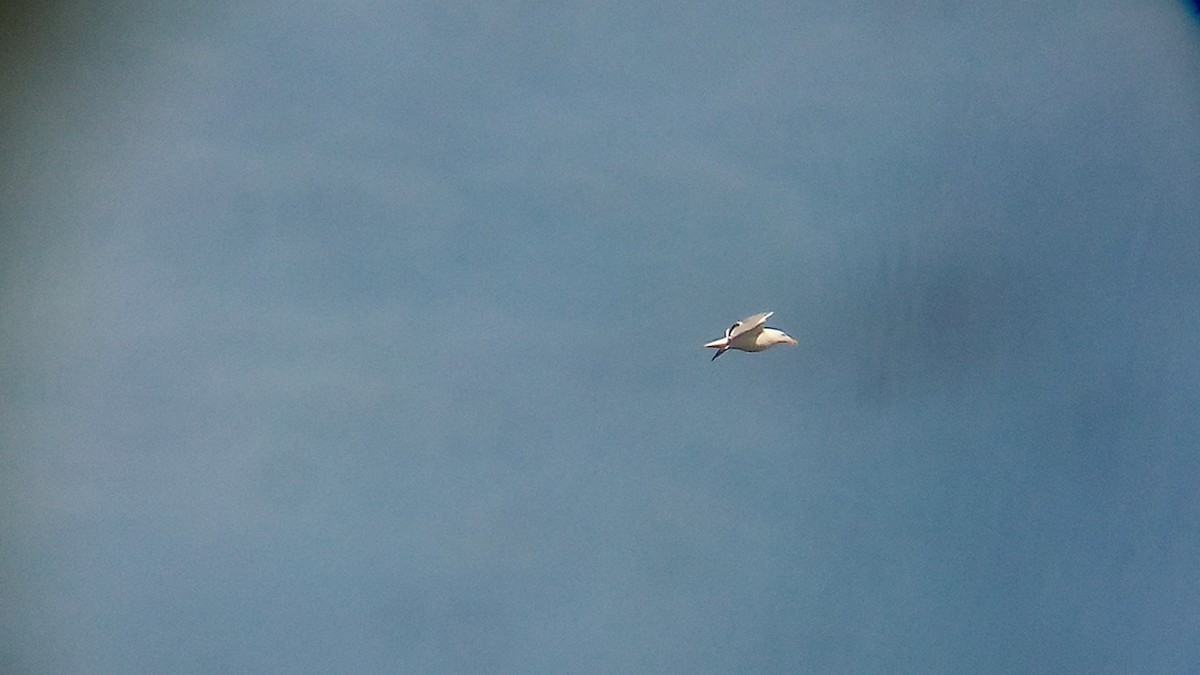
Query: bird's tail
(719, 345)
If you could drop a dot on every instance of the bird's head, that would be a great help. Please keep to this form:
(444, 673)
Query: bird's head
(774, 336)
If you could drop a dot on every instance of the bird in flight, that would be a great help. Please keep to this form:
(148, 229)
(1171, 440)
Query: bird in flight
(750, 335)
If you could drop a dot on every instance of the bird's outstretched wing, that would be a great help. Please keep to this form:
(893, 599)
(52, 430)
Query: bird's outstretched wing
(748, 324)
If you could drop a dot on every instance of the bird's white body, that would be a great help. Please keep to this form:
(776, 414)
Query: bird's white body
(751, 335)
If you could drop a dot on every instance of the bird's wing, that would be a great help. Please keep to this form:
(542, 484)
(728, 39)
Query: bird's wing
(748, 324)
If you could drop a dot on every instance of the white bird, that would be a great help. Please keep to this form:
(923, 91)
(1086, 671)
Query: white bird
(750, 335)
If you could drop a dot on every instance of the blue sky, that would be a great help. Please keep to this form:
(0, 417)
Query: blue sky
(366, 336)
